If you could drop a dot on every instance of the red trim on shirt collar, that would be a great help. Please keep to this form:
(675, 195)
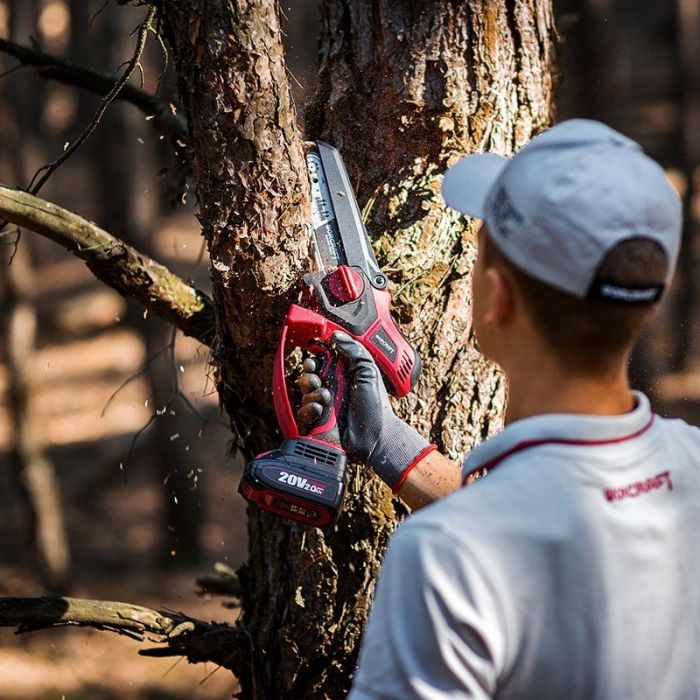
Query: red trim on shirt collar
(526, 444)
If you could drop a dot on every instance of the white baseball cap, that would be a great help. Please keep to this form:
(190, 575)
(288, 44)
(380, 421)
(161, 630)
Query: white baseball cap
(557, 207)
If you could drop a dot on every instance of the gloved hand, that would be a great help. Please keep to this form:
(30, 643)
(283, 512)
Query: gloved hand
(371, 432)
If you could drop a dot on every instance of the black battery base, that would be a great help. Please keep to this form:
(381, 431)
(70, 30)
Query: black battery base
(303, 480)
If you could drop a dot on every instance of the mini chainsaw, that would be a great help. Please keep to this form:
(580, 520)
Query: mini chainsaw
(304, 479)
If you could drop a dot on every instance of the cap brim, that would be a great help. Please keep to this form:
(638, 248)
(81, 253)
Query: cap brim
(467, 183)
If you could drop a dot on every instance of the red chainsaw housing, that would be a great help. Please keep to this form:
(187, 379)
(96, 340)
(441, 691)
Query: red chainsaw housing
(305, 478)
(343, 300)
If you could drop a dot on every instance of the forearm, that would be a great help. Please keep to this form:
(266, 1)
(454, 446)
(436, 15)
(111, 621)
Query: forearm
(433, 477)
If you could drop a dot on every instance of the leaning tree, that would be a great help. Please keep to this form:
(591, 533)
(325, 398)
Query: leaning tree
(405, 87)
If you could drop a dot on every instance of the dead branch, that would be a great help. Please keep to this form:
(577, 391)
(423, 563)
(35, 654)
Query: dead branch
(115, 263)
(179, 635)
(166, 117)
(42, 175)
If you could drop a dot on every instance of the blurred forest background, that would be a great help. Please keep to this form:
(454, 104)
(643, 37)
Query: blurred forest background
(92, 504)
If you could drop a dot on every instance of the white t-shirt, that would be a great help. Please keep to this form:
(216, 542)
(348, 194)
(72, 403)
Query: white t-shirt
(572, 570)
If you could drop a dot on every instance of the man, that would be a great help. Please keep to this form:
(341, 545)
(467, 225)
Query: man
(572, 569)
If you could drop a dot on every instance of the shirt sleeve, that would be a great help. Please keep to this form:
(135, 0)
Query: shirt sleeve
(435, 629)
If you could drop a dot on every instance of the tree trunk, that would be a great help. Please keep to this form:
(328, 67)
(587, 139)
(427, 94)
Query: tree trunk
(127, 197)
(33, 472)
(405, 87)
(685, 331)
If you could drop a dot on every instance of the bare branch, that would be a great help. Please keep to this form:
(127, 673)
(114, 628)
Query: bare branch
(115, 263)
(69, 72)
(179, 634)
(42, 175)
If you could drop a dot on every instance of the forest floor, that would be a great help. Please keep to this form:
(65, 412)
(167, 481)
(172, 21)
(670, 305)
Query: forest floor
(85, 350)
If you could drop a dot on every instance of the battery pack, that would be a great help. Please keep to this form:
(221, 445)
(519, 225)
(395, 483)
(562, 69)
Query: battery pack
(303, 480)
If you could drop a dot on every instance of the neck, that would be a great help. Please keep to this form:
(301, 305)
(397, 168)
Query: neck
(553, 390)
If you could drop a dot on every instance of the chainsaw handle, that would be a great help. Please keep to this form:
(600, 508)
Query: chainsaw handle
(283, 409)
(332, 373)
(396, 358)
(310, 331)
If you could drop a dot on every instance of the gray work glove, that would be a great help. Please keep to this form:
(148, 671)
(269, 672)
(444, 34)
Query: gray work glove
(370, 432)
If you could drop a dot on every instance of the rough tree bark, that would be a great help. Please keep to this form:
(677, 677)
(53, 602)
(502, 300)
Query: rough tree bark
(406, 86)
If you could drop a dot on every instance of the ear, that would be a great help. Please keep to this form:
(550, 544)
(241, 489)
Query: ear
(501, 297)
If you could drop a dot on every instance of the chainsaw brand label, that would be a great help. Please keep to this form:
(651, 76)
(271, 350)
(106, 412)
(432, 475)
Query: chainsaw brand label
(300, 483)
(384, 343)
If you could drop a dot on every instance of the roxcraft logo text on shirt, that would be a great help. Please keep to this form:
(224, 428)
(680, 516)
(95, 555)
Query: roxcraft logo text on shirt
(640, 487)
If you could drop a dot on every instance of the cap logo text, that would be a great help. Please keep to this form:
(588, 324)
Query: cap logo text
(600, 289)
(505, 215)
